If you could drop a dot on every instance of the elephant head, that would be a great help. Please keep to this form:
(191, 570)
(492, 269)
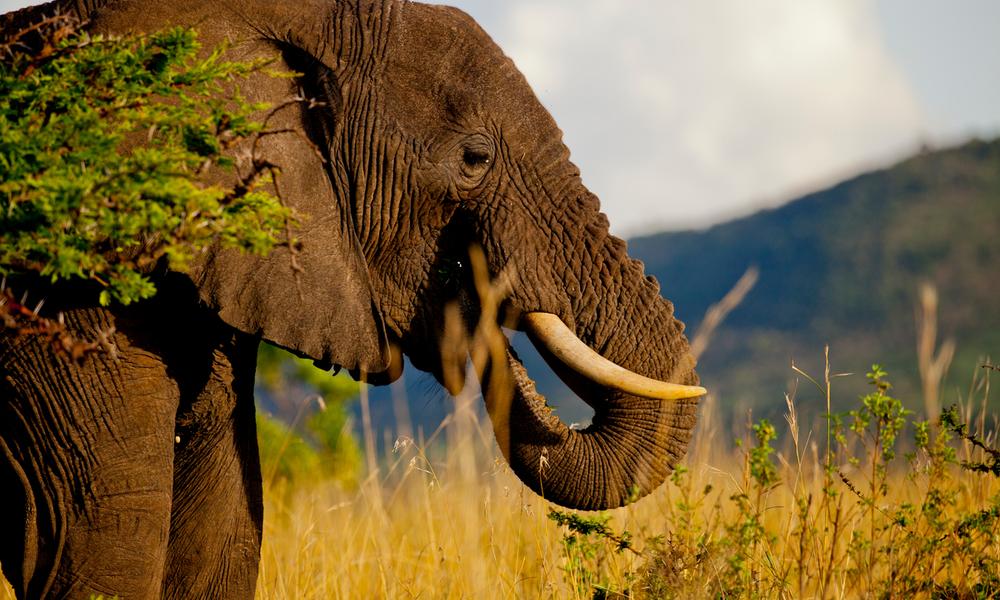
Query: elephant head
(425, 140)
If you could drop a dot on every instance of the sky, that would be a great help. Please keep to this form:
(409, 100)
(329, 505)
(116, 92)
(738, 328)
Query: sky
(683, 114)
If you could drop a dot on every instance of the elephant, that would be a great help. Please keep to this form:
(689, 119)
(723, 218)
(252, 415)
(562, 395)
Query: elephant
(136, 473)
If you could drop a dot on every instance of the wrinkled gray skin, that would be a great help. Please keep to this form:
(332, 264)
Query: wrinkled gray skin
(431, 141)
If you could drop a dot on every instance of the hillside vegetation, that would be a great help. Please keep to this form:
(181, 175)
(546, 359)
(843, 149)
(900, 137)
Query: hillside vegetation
(843, 267)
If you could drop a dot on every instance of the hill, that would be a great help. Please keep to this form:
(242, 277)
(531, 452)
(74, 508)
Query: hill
(843, 267)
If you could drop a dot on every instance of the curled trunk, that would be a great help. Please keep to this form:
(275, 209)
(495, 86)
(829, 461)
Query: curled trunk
(633, 442)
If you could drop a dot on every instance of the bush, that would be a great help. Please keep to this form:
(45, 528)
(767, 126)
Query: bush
(319, 442)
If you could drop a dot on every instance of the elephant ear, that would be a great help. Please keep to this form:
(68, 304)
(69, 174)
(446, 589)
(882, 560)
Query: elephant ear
(315, 300)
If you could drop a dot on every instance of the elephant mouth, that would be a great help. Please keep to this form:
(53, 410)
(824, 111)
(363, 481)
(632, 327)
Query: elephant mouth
(576, 363)
(641, 424)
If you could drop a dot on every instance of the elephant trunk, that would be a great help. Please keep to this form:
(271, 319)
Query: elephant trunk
(641, 426)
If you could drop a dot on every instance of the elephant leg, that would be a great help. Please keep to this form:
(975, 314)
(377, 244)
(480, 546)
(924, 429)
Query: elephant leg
(217, 516)
(86, 460)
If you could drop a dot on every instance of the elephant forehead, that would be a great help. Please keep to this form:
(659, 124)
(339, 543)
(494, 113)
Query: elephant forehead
(441, 63)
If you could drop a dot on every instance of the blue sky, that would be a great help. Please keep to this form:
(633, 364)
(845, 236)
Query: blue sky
(686, 113)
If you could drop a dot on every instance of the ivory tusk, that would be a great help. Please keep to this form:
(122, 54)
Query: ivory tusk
(558, 339)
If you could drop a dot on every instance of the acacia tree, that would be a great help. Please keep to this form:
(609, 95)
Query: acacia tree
(104, 147)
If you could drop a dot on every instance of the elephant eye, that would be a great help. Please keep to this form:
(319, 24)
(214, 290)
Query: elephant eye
(476, 157)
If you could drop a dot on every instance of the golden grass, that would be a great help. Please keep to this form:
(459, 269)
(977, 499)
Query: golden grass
(444, 518)
(453, 522)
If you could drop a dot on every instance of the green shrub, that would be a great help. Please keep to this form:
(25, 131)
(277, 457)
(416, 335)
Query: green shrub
(319, 442)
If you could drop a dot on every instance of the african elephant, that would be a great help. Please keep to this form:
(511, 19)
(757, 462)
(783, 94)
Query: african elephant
(137, 474)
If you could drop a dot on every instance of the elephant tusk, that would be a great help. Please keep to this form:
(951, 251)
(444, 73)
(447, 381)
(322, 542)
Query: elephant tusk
(558, 339)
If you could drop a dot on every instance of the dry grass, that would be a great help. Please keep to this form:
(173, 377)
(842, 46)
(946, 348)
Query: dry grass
(444, 518)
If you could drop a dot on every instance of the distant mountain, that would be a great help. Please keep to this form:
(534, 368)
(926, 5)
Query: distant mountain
(841, 267)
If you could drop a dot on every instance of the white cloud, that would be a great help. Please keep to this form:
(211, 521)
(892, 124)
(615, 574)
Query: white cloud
(681, 113)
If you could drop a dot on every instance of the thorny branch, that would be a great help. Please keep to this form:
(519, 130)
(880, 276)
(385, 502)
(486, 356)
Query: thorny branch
(56, 28)
(260, 166)
(17, 318)
(951, 420)
(294, 248)
(578, 524)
